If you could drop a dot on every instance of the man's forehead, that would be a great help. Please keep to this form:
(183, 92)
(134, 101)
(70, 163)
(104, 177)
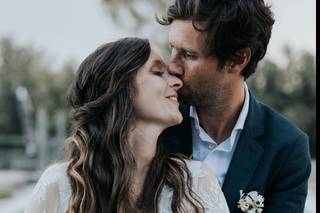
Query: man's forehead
(183, 35)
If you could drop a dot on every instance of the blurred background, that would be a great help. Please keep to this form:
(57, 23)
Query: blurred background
(42, 43)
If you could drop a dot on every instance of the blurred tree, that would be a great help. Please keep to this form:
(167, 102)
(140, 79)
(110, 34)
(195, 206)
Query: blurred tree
(57, 94)
(132, 16)
(23, 66)
(134, 11)
(290, 90)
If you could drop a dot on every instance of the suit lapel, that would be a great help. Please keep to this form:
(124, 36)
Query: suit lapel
(246, 156)
(186, 131)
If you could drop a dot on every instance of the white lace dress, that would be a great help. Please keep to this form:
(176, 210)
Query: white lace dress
(52, 192)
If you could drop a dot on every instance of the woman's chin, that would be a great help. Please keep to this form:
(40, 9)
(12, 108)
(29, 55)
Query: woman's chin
(176, 119)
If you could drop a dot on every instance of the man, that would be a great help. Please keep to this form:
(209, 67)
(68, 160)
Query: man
(215, 46)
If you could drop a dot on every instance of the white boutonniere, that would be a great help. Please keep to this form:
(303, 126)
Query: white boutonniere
(251, 202)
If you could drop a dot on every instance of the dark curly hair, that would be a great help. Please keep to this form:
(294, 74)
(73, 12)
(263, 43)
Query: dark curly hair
(231, 25)
(102, 163)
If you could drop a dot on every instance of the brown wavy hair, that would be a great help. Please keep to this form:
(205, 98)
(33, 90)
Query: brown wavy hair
(101, 162)
(230, 25)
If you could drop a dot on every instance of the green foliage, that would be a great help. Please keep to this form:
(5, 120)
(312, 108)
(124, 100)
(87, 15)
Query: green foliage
(290, 90)
(23, 66)
(135, 11)
(6, 193)
(138, 18)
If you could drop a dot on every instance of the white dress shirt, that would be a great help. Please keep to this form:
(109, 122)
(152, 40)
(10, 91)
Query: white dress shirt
(217, 156)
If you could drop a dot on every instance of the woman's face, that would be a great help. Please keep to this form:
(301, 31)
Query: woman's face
(156, 99)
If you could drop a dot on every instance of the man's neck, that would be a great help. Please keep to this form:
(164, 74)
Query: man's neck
(219, 122)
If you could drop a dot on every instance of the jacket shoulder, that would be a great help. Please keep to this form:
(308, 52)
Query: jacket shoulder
(280, 126)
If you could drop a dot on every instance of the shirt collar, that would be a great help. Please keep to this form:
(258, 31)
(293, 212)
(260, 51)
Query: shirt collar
(244, 112)
(193, 114)
(237, 127)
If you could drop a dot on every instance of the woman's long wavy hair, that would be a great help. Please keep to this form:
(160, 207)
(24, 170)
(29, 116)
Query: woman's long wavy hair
(101, 162)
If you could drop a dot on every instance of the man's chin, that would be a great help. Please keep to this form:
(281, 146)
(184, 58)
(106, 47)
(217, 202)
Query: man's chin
(186, 100)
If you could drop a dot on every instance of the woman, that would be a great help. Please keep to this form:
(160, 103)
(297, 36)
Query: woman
(122, 99)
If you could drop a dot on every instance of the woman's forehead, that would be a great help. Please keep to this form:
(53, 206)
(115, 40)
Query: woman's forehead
(155, 58)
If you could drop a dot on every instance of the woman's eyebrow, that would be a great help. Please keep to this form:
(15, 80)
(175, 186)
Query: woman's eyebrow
(158, 62)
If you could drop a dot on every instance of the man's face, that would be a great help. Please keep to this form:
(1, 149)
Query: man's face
(203, 83)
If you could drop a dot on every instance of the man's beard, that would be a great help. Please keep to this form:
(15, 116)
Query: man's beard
(195, 97)
(203, 97)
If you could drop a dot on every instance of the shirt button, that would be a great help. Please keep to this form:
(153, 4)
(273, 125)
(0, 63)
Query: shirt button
(211, 146)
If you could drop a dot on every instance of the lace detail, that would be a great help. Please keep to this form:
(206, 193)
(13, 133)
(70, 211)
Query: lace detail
(52, 192)
(205, 185)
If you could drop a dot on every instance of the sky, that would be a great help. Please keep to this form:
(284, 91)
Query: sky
(71, 29)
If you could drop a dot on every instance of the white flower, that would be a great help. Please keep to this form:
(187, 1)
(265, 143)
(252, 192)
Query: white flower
(251, 202)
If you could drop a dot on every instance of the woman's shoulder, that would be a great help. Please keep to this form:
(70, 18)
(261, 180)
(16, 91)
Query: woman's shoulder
(51, 189)
(54, 171)
(206, 186)
(54, 174)
(56, 167)
(199, 169)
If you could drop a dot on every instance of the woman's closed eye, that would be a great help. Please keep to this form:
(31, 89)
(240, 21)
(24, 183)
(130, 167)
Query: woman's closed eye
(158, 72)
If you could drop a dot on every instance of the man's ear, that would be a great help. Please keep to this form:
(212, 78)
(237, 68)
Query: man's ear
(244, 56)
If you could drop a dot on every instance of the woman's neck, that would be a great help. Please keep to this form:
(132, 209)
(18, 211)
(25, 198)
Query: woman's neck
(143, 140)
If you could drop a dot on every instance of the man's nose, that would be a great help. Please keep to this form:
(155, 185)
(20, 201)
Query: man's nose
(175, 69)
(174, 82)
(174, 65)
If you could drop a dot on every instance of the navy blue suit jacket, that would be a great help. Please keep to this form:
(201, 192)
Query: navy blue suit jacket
(272, 157)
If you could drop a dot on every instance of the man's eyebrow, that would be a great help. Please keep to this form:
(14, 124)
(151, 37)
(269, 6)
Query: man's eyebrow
(186, 49)
(190, 51)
